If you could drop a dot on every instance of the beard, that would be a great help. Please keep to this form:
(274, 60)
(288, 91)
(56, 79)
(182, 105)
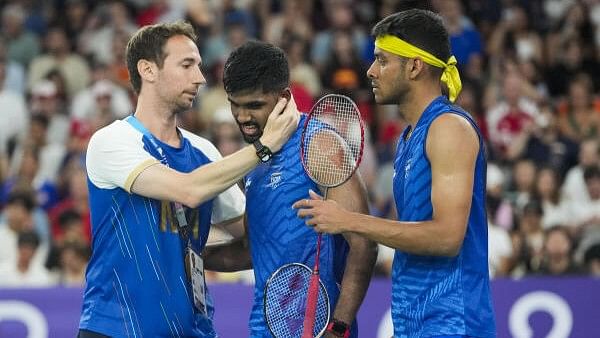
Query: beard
(250, 138)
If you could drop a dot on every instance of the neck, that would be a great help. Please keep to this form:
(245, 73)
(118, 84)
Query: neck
(158, 119)
(416, 102)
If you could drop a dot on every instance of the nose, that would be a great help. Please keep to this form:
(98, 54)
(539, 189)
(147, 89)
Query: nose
(242, 115)
(371, 71)
(199, 78)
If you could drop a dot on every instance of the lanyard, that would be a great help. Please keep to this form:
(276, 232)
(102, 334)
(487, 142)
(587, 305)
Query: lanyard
(179, 211)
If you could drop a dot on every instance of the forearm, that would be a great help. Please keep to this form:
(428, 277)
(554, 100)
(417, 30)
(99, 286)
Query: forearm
(428, 238)
(357, 275)
(228, 258)
(208, 181)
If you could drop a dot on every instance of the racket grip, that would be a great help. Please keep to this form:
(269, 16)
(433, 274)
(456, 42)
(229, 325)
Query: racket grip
(311, 307)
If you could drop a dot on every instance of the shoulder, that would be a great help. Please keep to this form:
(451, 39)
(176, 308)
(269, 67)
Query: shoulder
(202, 144)
(452, 131)
(450, 122)
(114, 133)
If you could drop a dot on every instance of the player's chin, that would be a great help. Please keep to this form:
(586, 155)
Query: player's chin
(251, 138)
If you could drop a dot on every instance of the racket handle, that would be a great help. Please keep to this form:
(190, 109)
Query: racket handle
(311, 306)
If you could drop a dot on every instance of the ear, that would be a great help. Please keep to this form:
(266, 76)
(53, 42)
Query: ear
(287, 93)
(147, 70)
(415, 67)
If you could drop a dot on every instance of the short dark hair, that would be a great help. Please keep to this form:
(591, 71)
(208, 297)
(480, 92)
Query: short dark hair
(148, 44)
(25, 198)
(256, 65)
(68, 217)
(421, 28)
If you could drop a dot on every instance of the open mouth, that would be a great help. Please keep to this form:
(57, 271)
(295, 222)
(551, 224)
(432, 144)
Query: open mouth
(249, 129)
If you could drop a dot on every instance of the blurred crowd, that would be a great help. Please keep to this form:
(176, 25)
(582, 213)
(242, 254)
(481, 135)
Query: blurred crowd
(530, 73)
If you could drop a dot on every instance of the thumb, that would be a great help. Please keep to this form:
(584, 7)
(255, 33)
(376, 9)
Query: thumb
(314, 195)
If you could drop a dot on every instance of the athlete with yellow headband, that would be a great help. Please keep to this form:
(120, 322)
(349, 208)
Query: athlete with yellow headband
(440, 283)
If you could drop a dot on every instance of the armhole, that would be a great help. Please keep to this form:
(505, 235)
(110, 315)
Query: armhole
(471, 122)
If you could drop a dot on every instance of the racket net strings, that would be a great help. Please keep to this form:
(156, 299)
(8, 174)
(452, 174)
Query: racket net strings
(285, 302)
(332, 141)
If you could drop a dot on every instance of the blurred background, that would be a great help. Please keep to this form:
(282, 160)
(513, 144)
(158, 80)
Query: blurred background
(531, 77)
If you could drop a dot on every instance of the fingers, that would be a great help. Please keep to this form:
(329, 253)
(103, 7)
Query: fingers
(303, 203)
(313, 195)
(279, 108)
(304, 213)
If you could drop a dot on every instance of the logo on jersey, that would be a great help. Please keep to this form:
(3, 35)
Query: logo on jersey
(407, 167)
(275, 180)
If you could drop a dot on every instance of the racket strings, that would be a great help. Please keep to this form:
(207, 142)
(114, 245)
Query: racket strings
(285, 302)
(332, 144)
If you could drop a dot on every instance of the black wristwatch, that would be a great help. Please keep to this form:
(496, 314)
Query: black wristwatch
(338, 328)
(262, 151)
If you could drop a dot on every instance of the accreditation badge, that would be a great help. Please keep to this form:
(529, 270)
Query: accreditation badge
(195, 269)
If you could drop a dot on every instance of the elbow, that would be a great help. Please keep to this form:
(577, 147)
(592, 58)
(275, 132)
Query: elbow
(364, 248)
(449, 248)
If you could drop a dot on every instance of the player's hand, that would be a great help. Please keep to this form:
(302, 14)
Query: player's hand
(281, 124)
(324, 216)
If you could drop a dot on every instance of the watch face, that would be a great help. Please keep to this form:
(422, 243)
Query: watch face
(265, 157)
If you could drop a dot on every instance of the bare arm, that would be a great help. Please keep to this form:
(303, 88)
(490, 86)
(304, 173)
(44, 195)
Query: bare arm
(202, 184)
(234, 256)
(361, 256)
(452, 147)
(228, 258)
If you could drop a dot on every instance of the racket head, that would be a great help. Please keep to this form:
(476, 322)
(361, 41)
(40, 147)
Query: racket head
(332, 141)
(284, 302)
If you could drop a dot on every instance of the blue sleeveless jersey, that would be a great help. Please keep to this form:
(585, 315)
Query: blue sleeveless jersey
(277, 236)
(432, 295)
(136, 285)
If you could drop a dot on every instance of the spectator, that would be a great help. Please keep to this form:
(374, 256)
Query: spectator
(465, 40)
(18, 219)
(574, 187)
(580, 114)
(557, 257)
(27, 178)
(587, 214)
(74, 257)
(22, 45)
(547, 191)
(84, 104)
(521, 193)
(25, 272)
(71, 66)
(46, 100)
(544, 144)
(514, 37)
(509, 118)
(15, 117)
(50, 154)
(341, 18)
(12, 74)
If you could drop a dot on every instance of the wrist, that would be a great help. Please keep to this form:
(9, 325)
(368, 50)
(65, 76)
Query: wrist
(270, 142)
(348, 225)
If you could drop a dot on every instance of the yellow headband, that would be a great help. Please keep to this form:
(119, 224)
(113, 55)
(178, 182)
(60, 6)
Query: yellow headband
(450, 76)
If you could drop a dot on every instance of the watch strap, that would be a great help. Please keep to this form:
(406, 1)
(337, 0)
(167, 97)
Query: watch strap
(262, 151)
(338, 328)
